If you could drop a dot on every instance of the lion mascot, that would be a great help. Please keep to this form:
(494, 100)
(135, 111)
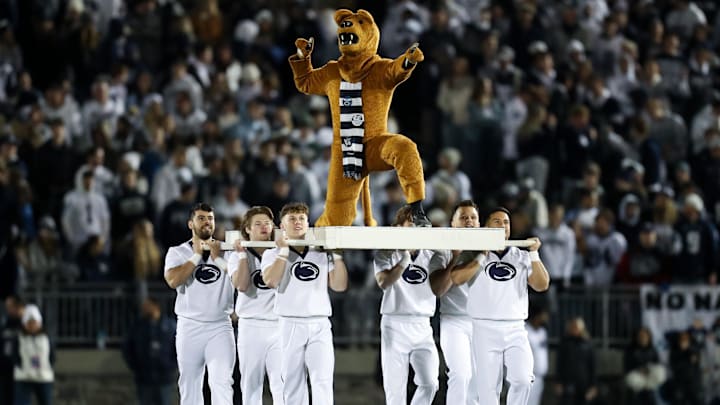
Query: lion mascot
(359, 87)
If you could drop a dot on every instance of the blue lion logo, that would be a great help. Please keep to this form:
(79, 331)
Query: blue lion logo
(258, 280)
(500, 271)
(415, 274)
(305, 271)
(207, 273)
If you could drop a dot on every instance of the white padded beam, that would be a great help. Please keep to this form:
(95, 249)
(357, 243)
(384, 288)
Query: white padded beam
(391, 238)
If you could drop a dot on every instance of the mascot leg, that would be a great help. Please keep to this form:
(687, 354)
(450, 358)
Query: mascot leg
(342, 195)
(367, 203)
(394, 151)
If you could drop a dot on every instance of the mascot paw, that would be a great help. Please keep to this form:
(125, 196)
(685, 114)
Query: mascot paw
(304, 47)
(414, 54)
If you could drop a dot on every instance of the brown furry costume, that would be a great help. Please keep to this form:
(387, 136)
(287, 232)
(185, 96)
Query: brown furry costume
(360, 66)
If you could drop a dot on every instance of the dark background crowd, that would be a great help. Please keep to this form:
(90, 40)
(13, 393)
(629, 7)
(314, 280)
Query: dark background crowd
(596, 122)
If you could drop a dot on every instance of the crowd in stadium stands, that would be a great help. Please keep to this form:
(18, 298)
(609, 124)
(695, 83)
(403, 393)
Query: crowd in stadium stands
(596, 122)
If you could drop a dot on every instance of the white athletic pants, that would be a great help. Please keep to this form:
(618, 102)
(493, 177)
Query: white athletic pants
(307, 343)
(456, 345)
(537, 391)
(201, 344)
(498, 343)
(407, 340)
(258, 345)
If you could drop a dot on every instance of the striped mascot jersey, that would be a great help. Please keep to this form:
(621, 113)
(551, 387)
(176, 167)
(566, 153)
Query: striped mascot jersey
(352, 129)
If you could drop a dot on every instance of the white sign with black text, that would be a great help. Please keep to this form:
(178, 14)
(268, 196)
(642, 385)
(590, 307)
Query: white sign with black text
(674, 308)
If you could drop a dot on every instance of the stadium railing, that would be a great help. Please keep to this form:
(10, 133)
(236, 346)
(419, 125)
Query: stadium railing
(84, 315)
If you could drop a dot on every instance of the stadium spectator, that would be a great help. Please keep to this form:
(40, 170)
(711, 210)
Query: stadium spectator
(643, 371)
(103, 177)
(304, 185)
(711, 364)
(686, 382)
(602, 249)
(629, 218)
(536, 327)
(664, 214)
(707, 175)
(645, 261)
(577, 378)
(167, 181)
(101, 110)
(453, 98)
(149, 351)
(35, 357)
(448, 173)
(182, 82)
(138, 257)
(484, 135)
(262, 171)
(696, 244)
(93, 260)
(9, 330)
(558, 247)
(85, 213)
(532, 203)
(45, 261)
(129, 204)
(172, 223)
(707, 118)
(228, 206)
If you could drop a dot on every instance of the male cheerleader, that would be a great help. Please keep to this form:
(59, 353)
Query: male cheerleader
(301, 277)
(498, 306)
(203, 306)
(258, 341)
(405, 332)
(455, 324)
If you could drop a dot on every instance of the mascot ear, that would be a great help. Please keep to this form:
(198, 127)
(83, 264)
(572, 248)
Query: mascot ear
(342, 14)
(366, 14)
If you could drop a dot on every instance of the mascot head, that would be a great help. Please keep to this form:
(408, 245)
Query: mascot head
(358, 35)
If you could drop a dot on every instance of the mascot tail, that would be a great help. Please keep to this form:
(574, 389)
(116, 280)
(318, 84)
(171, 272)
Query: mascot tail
(367, 203)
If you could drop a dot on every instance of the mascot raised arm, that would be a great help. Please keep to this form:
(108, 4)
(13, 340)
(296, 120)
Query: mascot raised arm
(359, 87)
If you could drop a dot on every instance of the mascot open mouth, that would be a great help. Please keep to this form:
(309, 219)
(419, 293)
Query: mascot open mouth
(348, 38)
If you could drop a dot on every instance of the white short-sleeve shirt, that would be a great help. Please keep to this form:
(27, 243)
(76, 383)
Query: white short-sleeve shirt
(454, 302)
(303, 290)
(207, 295)
(411, 293)
(258, 300)
(499, 290)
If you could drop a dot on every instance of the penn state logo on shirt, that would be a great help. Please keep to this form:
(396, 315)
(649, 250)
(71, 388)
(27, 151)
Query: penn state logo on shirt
(258, 281)
(500, 271)
(346, 101)
(414, 274)
(207, 273)
(305, 271)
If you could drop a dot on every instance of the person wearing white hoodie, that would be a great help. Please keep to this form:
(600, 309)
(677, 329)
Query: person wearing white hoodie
(558, 247)
(85, 213)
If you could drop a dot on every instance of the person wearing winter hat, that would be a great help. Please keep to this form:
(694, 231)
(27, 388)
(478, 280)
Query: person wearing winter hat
(696, 259)
(33, 372)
